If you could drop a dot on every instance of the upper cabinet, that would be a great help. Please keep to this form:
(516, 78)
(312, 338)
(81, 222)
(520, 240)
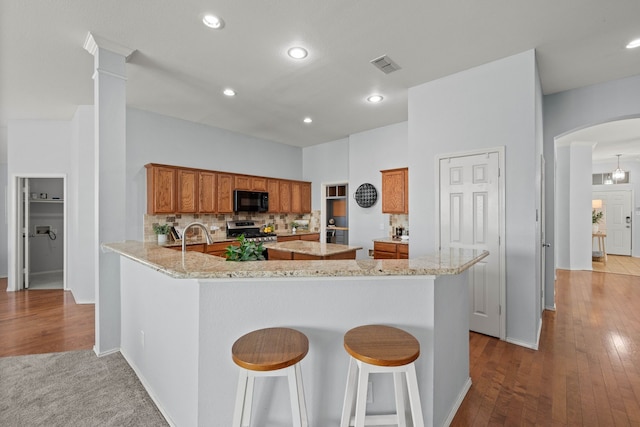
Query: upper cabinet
(161, 189)
(395, 191)
(225, 192)
(173, 189)
(285, 196)
(187, 190)
(273, 188)
(208, 190)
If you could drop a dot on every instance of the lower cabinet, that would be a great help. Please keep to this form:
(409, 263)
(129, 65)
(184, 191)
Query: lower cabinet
(386, 250)
(311, 237)
(220, 248)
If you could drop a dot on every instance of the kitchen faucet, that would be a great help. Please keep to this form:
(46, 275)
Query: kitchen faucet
(195, 224)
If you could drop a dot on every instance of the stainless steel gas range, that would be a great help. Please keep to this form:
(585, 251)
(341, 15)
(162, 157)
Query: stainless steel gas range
(252, 231)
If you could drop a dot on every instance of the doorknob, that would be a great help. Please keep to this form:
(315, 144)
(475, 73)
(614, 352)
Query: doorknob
(546, 245)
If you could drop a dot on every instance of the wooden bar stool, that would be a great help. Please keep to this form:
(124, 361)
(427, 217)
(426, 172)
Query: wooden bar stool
(380, 349)
(270, 352)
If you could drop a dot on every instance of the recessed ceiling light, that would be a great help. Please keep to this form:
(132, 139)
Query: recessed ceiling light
(633, 44)
(297, 52)
(307, 120)
(229, 92)
(213, 21)
(375, 98)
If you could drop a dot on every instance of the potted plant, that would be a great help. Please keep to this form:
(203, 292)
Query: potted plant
(596, 217)
(161, 231)
(247, 251)
(294, 227)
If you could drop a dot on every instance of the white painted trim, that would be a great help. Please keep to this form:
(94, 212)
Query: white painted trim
(550, 308)
(147, 387)
(458, 402)
(539, 333)
(92, 43)
(503, 231)
(532, 346)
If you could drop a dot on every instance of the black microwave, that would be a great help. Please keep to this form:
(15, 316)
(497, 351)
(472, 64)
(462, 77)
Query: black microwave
(250, 201)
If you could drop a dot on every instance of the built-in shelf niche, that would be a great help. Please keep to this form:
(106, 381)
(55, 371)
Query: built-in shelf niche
(337, 191)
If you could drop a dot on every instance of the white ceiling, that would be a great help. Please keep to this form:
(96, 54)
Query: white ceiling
(180, 66)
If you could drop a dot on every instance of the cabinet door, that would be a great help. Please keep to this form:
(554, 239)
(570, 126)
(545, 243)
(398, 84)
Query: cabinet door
(285, 196)
(242, 182)
(187, 191)
(161, 189)
(296, 197)
(207, 185)
(259, 184)
(305, 196)
(395, 191)
(225, 193)
(312, 237)
(288, 238)
(273, 188)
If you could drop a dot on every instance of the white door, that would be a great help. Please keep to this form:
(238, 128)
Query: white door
(470, 218)
(616, 221)
(540, 218)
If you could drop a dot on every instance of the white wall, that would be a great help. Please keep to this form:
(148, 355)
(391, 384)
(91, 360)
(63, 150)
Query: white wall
(573, 199)
(81, 208)
(369, 153)
(575, 109)
(4, 220)
(35, 148)
(325, 163)
(487, 106)
(633, 167)
(153, 138)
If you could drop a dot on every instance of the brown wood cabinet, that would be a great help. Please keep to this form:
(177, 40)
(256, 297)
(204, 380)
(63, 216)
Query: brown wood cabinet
(305, 195)
(225, 193)
(207, 190)
(220, 248)
(395, 191)
(273, 188)
(288, 238)
(388, 250)
(161, 189)
(285, 196)
(296, 197)
(187, 190)
(312, 237)
(174, 189)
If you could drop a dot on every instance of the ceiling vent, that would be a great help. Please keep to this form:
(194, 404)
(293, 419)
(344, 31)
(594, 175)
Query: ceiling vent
(385, 64)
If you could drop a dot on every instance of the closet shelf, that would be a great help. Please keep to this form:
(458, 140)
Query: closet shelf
(46, 201)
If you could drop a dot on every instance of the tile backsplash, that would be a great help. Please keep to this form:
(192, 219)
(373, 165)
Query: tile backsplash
(398, 220)
(281, 222)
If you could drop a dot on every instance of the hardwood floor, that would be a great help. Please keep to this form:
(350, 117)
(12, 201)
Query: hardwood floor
(618, 264)
(586, 371)
(43, 321)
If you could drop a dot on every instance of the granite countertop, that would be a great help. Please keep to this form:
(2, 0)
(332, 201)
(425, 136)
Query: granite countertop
(312, 248)
(173, 244)
(392, 240)
(195, 265)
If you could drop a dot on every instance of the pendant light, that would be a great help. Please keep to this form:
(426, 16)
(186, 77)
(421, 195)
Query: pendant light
(618, 174)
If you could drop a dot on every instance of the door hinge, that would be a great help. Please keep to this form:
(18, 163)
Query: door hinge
(536, 215)
(500, 310)
(498, 172)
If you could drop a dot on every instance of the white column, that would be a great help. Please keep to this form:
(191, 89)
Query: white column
(110, 183)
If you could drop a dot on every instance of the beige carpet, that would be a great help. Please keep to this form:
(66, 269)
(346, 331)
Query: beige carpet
(73, 389)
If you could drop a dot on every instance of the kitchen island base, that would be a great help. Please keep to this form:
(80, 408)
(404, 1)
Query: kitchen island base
(177, 335)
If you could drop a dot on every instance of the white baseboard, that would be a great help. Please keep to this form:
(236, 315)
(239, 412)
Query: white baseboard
(532, 346)
(105, 353)
(458, 402)
(539, 333)
(149, 390)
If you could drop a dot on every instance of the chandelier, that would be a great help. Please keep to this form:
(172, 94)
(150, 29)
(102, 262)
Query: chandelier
(618, 174)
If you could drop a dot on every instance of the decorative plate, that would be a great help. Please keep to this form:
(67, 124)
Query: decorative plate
(366, 195)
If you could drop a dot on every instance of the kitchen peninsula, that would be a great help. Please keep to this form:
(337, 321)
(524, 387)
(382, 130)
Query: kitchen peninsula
(181, 313)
